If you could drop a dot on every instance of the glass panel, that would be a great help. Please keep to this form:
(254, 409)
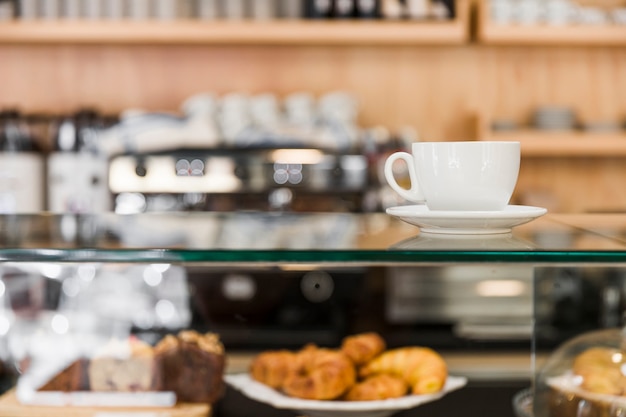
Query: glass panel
(257, 237)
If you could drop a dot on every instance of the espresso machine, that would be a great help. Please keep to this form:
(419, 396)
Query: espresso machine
(239, 152)
(306, 179)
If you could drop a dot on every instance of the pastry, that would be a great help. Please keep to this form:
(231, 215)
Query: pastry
(316, 373)
(192, 365)
(272, 367)
(126, 366)
(422, 368)
(321, 374)
(378, 387)
(72, 378)
(362, 348)
(601, 370)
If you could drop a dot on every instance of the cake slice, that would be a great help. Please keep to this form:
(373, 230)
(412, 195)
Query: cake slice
(192, 365)
(124, 366)
(72, 378)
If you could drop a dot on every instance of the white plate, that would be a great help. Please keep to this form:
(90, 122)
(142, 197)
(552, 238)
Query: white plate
(380, 408)
(466, 222)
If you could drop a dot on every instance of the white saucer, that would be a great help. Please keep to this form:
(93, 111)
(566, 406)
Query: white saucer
(466, 222)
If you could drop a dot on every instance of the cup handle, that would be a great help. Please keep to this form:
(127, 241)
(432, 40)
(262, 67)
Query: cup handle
(413, 194)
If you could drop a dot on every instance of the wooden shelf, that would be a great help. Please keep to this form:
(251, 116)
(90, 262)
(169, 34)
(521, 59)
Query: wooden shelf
(547, 35)
(565, 144)
(276, 32)
(492, 33)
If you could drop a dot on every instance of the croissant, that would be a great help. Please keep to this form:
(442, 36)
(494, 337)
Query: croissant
(364, 347)
(423, 369)
(322, 374)
(272, 367)
(377, 387)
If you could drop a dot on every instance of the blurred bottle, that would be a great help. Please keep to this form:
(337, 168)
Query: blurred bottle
(450, 6)
(77, 174)
(114, 9)
(7, 10)
(28, 9)
(392, 9)
(185, 9)
(344, 9)
(291, 9)
(264, 9)
(418, 9)
(71, 9)
(166, 9)
(50, 9)
(140, 9)
(94, 9)
(21, 166)
(368, 9)
(319, 9)
(234, 9)
(207, 9)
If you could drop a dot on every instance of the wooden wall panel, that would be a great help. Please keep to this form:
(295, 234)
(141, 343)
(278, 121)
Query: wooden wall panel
(591, 80)
(437, 90)
(428, 88)
(573, 185)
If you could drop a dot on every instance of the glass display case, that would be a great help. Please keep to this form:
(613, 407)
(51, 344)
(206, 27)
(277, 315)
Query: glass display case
(497, 306)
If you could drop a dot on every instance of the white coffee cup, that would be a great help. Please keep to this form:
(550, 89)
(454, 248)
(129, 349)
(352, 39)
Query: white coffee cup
(459, 176)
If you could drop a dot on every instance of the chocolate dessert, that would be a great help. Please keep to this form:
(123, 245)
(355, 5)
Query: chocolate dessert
(192, 366)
